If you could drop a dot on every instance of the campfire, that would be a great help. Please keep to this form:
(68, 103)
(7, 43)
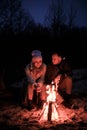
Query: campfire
(50, 108)
(53, 110)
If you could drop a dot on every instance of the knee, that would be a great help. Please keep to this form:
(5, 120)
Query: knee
(30, 87)
(66, 84)
(68, 81)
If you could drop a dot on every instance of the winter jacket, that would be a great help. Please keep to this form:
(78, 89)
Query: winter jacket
(35, 75)
(54, 70)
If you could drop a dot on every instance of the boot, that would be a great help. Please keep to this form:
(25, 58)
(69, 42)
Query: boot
(40, 105)
(67, 101)
(30, 105)
(67, 97)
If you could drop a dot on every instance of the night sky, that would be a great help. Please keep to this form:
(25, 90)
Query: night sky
(38, 9)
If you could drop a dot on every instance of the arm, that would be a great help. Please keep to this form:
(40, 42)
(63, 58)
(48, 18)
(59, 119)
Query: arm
(41, 78)
(65, 69)
(28, 72)
(51, 73)
(57, 79)
(41, 74)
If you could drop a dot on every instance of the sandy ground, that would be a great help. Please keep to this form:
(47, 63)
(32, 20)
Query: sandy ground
(13, 116)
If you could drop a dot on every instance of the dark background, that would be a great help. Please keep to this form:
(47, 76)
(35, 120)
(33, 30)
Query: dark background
(16, 54)
(20, 34)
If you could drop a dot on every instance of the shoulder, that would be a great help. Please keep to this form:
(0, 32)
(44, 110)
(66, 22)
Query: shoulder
(64, 62)
(44, 65)
(27, 67)
(52, 68)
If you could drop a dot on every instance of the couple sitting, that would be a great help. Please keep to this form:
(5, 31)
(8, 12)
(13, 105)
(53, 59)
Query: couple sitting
(39, 75)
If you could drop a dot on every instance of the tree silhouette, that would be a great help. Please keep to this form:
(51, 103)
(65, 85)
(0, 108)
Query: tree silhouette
(12, 16)
(55, 16)
(72, 14)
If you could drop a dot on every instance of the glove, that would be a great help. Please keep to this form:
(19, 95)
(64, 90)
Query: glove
(35, 85)
(57, 79)
(38, 88)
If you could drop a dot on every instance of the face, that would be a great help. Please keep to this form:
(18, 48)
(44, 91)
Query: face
(37, 61)
(56, 59)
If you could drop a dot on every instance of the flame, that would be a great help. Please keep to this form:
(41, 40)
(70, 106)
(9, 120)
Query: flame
(52, 109)
(49, 111)
(51, 93)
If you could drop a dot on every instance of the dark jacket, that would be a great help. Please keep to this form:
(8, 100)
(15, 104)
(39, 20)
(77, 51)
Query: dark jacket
(54, 70)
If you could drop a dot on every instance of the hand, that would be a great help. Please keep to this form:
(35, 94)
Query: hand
(57, 79)
(35, 85)
(39, 85)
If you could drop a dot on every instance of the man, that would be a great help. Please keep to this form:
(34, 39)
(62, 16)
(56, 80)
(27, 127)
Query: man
(60, 72)
(35, 72)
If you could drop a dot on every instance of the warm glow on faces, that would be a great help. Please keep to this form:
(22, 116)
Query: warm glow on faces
(37, 61)
(56, 59)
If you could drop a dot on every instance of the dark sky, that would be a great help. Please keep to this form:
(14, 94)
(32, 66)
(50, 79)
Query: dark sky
(38, 9)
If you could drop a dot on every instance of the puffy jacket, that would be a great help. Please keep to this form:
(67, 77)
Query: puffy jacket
(35, 75)
(54, 70)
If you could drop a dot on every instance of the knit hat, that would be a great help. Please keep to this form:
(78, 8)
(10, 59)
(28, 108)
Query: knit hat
(36, 53)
